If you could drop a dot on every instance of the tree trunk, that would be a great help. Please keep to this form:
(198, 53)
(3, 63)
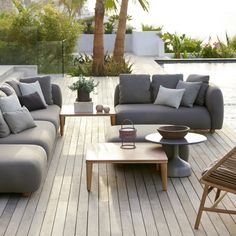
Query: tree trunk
(98, 48)
(118, 53)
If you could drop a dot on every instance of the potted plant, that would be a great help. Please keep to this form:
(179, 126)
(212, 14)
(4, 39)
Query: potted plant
(83, 87)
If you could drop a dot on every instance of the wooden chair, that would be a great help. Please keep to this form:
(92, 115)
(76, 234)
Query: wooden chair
(222, 176)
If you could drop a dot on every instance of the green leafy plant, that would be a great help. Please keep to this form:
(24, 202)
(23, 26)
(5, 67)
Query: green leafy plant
(151, 28)
(37, 34)
(181, 45)
(129, 29)
(83, 65)
(87, 85)
(87, 25)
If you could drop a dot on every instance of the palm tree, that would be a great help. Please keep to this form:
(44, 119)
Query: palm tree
(118, 52)
(72, 7)
(98, 48)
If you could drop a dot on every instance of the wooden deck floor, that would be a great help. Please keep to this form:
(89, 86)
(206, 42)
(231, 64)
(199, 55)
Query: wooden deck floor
(125, 199)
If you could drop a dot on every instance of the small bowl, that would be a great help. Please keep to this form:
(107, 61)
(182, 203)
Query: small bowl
(173, 131)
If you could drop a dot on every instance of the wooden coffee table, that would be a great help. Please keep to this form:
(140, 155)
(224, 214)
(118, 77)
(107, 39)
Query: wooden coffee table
(68, 110)
(112, 153)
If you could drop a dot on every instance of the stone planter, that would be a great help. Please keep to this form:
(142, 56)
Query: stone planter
(83, 107)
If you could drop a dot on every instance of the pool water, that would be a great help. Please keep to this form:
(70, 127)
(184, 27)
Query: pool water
(221, 74)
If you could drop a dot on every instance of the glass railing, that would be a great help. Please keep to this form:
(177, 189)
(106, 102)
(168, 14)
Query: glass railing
(49, 56)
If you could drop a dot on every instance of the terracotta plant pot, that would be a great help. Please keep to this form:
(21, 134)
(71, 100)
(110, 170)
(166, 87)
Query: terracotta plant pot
(83, 96)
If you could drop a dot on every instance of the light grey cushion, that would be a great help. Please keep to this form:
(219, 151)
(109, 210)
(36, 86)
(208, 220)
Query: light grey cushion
(7, 89)
(9, 103)
(200, 100)
(19, 120)
(28, 88)
(46, 86)
(169, 97)
(4, 129)
(134, 88)
(191, 92)
(44, 135)
(166, 80)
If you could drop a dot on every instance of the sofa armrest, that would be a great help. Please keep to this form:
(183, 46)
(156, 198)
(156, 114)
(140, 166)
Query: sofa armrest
(215, 105)
(117, 95)
(56, 95)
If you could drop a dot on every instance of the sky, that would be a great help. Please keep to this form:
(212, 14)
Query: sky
(195, 18)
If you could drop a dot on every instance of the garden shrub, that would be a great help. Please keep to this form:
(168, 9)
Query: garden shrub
(36, 34)
(151, 28)
(83, 66)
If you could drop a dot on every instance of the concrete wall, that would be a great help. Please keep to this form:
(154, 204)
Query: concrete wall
(85, 43)
(146, 43)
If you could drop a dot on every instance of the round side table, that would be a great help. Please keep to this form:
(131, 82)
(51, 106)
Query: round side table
(177, 167)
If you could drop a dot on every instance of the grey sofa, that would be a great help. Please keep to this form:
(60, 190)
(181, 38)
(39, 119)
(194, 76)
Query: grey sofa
(24, 156)
(132, 102)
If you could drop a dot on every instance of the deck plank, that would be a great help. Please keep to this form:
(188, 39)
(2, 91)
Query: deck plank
(125, 199)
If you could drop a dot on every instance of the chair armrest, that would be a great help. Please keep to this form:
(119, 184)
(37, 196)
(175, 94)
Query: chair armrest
(215, 105)
(56, 95)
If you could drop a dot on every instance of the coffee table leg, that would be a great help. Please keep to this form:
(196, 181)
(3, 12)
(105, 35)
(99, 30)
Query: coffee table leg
(89, 170)
(178, 167)
(62, 124)
(164, 175)
(113, 119)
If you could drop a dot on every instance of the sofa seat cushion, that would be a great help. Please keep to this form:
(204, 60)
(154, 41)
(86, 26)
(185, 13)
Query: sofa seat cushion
(197, 117)
(44, 135)
(22, 168)
(51, 113)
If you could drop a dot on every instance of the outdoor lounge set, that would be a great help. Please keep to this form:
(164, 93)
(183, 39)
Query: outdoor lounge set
(30, 111)
(28, 133)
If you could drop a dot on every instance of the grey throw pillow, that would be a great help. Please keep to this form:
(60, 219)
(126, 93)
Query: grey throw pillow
(19, 120)
(191, 92)
(166, 80)
(9, 103)
(200, 100)
(7, 89)
(15, 85)
(134, 88)
(32, 102)
(46, 86)
(28, 88)
(4, 129)
(169, 97)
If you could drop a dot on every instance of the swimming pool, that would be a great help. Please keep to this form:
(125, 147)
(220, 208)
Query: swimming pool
(221, 74)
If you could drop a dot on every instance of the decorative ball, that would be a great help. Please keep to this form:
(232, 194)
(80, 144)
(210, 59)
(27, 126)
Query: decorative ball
(106, 109)
(99, 108)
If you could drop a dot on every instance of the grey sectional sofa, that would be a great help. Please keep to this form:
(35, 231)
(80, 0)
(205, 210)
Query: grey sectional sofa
(24, 156)
(135, 96)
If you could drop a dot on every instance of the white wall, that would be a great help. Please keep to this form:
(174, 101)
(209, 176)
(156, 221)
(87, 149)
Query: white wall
(85, 43)
(146, 43)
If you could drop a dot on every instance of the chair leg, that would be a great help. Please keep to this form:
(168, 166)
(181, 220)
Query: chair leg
(217, 194)
(200, 210)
